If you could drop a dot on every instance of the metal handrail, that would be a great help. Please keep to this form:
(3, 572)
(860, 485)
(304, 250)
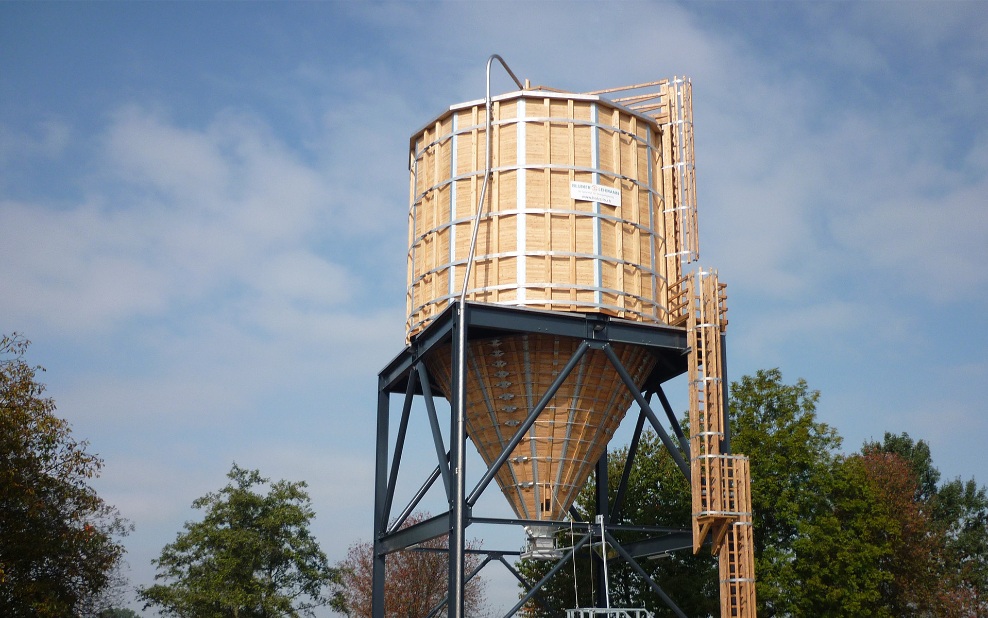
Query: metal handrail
(457, 551)
(487, 169)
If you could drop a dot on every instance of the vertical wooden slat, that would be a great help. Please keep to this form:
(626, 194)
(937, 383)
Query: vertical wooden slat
(550, 153)
(571, 159)
(674, 241)
(709, 489)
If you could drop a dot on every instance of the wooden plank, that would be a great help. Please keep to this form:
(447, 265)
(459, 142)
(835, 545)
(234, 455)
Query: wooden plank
(572, 244)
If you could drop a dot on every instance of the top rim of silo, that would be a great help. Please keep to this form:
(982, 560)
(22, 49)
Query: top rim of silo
(541, 92)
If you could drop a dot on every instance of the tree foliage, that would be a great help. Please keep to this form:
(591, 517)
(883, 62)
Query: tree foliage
(874, 533)
(59, 541)
(950, 546)
(792, 455)
(118, 612)
(251, 556)
(416, 582)
(916, 544)
(834, 560)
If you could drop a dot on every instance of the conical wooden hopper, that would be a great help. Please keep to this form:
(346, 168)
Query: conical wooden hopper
(507, 377)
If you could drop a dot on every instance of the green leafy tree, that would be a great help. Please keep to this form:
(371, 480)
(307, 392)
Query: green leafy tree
(252, 555)
(59, 541)
(872, 534)
(963, 506)
(838, 550)
(919, 459)
(118, 612)
(834, 535)
(773, 423)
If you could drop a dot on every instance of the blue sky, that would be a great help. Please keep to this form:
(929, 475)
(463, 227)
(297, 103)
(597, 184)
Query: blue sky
(203, 211)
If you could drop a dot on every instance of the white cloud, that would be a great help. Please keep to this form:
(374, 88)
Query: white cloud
(798, 186)
(181, 216)
(46, 139)
(763, 334)
(72, 269)
(186, 165)
(934, 248)
(300, 277)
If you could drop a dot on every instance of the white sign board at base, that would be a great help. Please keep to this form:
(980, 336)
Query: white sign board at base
(595, 193)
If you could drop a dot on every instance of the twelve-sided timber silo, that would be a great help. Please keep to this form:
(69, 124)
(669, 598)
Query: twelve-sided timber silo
(548, 237)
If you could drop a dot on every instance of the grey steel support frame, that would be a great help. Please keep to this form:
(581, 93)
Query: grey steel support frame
(603, 511)
(407, 375)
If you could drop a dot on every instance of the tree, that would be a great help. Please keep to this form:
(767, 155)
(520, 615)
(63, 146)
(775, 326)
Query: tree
(59, 547)
(962, 514)
(917, 557)
(416, 583)
(118, 612)
(916, 454)
(839, 549)
(791, 451)
(871, 534)
(835, 535)
(775, 424)
(252, 555)
(954, 539)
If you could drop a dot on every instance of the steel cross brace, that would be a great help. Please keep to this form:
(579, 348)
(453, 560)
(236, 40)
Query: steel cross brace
(408, 373)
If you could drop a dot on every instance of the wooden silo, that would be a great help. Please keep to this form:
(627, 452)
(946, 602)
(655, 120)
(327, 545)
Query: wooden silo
(548, 238)
(581, 215)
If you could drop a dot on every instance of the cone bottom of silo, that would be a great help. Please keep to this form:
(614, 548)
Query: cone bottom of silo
(507, 377)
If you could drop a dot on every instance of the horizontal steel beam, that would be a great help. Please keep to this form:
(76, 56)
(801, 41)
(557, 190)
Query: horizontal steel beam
(578, 525)
(661, 545)
(594, 326)
(488, 320)
(421, 532)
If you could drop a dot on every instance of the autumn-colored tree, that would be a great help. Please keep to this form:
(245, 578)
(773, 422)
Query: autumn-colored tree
(416, 583)
(916, 545)
(950, 522)
(59, 547)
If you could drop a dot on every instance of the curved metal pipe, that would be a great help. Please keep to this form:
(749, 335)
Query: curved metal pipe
(459, 436)
(487, 169)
